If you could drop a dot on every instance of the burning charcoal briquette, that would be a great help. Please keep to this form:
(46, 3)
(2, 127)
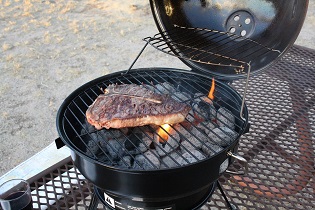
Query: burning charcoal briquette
(104, 159)
(153, 127)
(149, 160)
(199, 135)
(101, 137)
(180, 96)
(125, 162)
(147, 139)
(198, 97)
(205, 109)
(191, 157)
(98, 140)
(222, 136)
(92, 140)
(170, 145)
(192, 139)
(87, 128)
(207, 126)
(116, 133)
(149, 87)
(171, 160)
(92, 146)
(115, 147)
(189, 145)
(133, 141)
(190, 117)
(211, 149)
(143, 143)
(225, 118)
(146, 128)
(165, 88)
(103, 144)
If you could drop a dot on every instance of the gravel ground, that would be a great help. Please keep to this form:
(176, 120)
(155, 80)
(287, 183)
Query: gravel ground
(49, 48)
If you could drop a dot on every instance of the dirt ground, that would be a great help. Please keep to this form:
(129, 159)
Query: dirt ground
(49, 48)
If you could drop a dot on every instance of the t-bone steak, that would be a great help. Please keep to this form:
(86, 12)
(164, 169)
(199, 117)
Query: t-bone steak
(131, 105)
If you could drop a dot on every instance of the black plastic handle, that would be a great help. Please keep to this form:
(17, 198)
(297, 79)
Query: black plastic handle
(59, 143)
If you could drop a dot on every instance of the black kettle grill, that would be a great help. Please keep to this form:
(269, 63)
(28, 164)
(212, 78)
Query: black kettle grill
(219, 38)
(228, 33)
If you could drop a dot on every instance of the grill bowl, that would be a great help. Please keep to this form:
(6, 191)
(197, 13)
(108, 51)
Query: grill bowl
(158, 186)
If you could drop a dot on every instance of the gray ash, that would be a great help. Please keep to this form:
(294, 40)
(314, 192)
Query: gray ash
(192, 156)
(166, 146)
(149, 160)
(211, 149)
(205, 110)
(222, 136)
(172, 160)
(225, 118)
(207, 126)
(125, 162)
(165, 88)
(181, 96)
(115, 148)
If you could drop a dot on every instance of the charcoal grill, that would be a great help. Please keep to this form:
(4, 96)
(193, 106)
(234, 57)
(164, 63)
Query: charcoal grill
(137, 183)
(223, 49)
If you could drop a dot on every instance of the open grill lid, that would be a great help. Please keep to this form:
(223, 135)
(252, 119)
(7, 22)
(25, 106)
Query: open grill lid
(229, 35)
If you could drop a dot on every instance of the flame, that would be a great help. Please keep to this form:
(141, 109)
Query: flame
(169, 8)
(163, 136)
(211, 91)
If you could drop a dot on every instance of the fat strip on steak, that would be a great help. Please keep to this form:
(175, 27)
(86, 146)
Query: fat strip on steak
(131, 105)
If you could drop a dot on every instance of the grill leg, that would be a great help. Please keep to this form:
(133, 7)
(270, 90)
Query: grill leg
(230, 205)
(94, 202)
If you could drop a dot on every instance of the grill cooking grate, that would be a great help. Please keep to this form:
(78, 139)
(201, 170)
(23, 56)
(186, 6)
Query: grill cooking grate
(211, 47)
(120, 147)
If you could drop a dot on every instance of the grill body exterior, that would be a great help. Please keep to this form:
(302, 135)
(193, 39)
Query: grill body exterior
(183, 187)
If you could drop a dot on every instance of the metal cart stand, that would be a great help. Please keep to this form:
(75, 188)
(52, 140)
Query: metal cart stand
(280, 147)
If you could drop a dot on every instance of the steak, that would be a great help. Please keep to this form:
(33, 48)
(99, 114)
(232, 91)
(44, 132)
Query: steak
(131, 105)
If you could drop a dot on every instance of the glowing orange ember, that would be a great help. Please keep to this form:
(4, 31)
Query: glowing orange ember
(163, 136)
(211, 92)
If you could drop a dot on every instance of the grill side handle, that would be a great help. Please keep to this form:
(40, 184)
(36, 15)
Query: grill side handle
(240, 158)
(59, 143)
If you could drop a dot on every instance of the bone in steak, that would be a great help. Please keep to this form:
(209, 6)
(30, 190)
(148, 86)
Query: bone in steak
(131, 105)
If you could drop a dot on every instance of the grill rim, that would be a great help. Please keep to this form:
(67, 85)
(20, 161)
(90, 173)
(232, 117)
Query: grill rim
(147, 184)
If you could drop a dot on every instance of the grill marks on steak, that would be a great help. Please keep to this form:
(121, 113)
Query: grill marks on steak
(131, 105)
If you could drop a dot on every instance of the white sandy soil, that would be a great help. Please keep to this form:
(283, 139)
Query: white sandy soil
(48, 48)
